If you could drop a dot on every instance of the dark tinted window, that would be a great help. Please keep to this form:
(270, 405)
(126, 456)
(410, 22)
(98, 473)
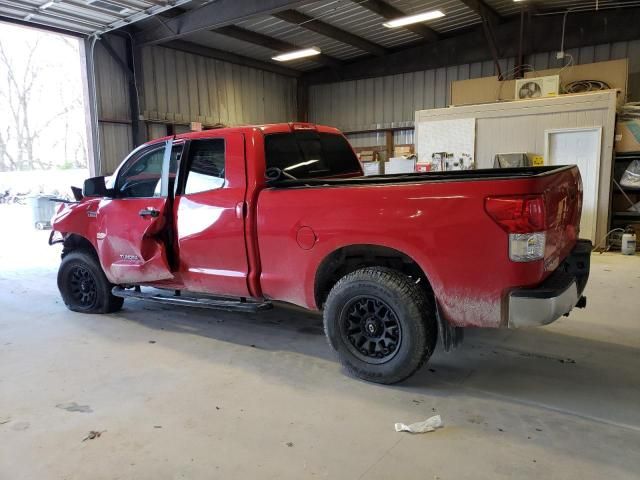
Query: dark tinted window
(308, 154)
(206, 166)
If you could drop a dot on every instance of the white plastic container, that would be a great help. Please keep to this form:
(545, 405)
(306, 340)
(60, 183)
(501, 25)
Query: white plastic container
(628, 244)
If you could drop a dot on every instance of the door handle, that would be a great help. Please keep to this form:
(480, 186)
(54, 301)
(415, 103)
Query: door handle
(149, 212)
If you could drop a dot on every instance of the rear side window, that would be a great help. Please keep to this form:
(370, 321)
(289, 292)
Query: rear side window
(309, 154)
(205, 170)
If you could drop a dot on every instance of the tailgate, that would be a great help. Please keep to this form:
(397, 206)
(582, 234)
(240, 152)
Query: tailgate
(563, 204)
(542, 222)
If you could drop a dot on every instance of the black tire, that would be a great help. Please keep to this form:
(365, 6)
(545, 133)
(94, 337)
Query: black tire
(84, 286)
(394, 315)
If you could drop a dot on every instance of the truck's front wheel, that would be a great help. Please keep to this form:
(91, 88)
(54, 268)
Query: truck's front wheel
(381, 324)
(84, 286)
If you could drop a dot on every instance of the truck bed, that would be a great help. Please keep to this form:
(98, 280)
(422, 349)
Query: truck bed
(437, 219)
(455, 176)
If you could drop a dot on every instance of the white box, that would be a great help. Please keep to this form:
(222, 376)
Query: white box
(371, 168)
(397, 165)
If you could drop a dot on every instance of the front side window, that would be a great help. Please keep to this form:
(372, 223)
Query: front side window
(206, 166)
(141, 177)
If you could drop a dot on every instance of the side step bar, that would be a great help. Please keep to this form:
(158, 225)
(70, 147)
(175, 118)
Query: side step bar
(232, 305)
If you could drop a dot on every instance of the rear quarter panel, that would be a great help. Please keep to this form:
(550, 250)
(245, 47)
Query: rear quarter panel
(441, 225)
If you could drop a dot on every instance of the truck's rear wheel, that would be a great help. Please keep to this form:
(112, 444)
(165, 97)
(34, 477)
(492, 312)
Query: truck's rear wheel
(84, 286)
(381, 324)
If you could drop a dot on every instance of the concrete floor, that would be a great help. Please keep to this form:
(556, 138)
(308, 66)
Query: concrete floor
(185, 393)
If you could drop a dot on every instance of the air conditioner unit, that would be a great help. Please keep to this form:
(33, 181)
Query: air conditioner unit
(537, 87)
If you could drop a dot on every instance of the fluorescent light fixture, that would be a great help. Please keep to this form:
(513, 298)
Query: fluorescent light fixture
(46, 5)
(305, 52)
(410, 19)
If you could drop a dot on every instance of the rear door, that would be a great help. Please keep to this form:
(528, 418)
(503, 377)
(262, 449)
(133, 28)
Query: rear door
(131, 235)
(210, 214)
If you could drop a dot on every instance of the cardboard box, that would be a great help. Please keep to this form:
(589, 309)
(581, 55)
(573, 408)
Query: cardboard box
(403, 151)
(368, 156)
(627, 138)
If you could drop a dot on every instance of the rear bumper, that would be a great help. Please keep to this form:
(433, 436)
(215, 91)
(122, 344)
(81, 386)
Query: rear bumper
(556, 296)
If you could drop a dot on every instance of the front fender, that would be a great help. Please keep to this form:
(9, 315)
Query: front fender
(78, 219)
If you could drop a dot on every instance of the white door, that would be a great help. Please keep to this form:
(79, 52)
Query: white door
(581, 147)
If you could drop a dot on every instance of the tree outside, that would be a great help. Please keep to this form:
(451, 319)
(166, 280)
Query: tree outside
(42, 122)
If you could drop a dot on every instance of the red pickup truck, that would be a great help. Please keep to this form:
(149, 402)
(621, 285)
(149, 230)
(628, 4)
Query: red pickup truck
(234, 218)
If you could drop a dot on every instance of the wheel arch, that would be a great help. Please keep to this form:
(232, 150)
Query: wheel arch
(75, 241)
(347, 259)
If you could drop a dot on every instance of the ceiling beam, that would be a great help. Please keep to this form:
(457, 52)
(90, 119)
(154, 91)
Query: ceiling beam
(196, 49)
(272, 43)
(582, 29)
(482, 9)
(389, 12)
(212, 15)
(335, 33)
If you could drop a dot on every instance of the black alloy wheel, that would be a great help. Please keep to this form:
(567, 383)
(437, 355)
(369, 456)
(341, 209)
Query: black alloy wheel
(381, 323)
(370, 329)
(83, 286)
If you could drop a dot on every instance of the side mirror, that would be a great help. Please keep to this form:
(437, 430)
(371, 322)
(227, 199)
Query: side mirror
(96, 187)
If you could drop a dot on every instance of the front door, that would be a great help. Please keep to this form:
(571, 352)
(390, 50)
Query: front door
(131, 234)
(209, 217)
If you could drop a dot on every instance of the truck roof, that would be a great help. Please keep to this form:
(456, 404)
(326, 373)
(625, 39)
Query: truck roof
(266, 129)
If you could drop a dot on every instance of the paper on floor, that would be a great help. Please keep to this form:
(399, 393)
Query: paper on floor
(429, 425)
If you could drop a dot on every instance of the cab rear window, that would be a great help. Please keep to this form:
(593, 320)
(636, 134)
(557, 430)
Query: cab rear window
(309, 154)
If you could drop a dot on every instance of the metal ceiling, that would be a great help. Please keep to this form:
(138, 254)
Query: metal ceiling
(84, 16)
(88, 17)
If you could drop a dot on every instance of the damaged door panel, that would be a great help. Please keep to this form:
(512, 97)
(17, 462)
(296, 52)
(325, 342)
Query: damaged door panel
(130, 237)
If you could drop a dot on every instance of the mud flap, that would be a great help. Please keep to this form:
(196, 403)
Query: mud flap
(450, 337)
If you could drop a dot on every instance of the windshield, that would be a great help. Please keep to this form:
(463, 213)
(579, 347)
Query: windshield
(309, 154)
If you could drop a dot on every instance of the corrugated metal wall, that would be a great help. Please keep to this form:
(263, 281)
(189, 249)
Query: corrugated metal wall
(113, 106)
(181, 87)
(392, 101)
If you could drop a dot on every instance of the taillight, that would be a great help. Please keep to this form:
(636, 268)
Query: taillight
(521, 214)
(524, 219)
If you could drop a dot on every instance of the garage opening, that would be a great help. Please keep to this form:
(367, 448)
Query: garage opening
(43, 141)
